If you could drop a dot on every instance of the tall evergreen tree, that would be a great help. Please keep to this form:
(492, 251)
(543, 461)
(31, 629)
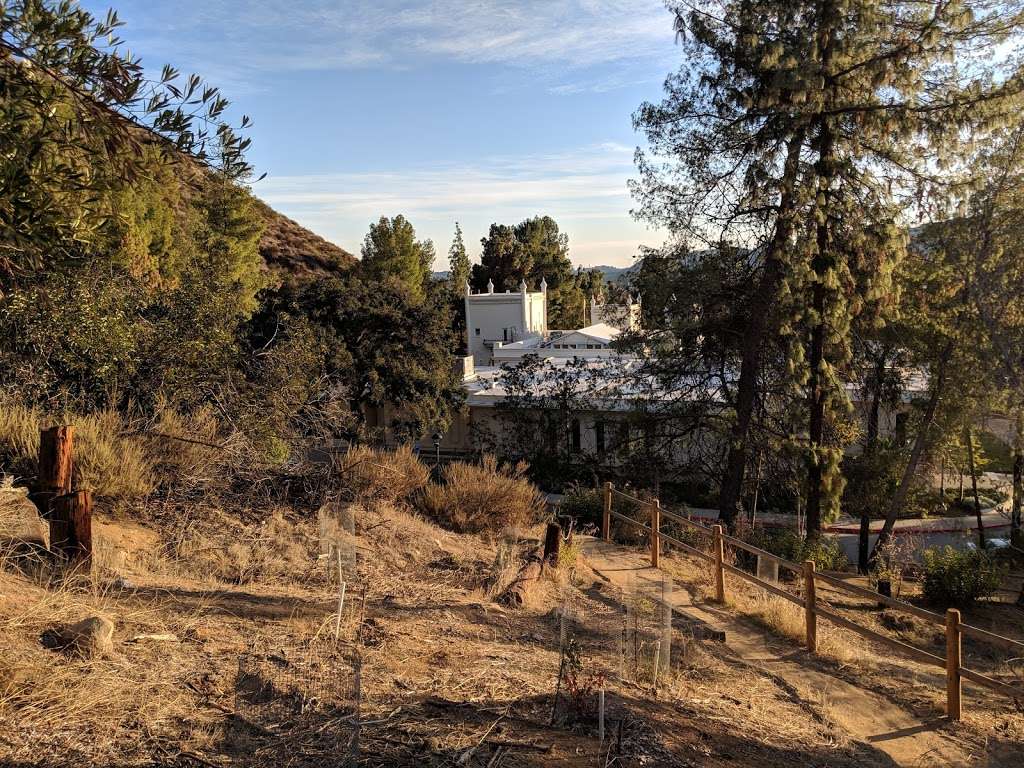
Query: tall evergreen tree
(458, 263)
(547, 250)
(532, 250)
(503, 261)
(793, 126)
(391, 251)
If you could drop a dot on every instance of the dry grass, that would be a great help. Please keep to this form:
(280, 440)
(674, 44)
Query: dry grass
(117, 456)
(428, 634)
(92, 704)
(787, 620)
(484, 497)
(105, 460)
(274, 551)
(370, 475)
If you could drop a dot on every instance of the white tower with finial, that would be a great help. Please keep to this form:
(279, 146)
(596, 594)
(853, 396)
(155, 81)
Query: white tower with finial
(507, 317)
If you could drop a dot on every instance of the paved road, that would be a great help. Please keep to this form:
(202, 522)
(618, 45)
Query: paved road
(918, 534)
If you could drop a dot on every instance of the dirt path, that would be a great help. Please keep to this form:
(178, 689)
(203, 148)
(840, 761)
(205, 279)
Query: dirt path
(866, 716)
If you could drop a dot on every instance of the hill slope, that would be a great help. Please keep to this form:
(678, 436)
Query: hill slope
(287, 246)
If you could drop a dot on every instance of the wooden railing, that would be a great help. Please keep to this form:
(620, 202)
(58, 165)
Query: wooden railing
(814, 606)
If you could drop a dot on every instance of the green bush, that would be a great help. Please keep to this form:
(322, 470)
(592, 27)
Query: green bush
(585, 505)
(826, 553)
(959, 578)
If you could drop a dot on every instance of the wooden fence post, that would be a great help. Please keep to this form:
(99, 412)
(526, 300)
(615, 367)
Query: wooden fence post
(552, 544)
(54, 474)
(954, 685)
(719, 560)
(655, 533)
(71, 528)
(606, 519)
(810, 599)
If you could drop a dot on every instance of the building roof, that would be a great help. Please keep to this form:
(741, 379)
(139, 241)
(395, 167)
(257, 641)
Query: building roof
(600, 332)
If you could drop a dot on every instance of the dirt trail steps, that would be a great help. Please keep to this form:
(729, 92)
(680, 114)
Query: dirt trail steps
(865, 715)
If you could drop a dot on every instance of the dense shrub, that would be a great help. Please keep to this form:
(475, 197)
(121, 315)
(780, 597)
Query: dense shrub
(585, 505)
(484, 497)
(370, 475)
(826, 553)
(959, 578)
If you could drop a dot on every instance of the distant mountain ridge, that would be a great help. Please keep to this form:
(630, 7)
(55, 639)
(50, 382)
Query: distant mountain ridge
(611, 274)
(616, 274)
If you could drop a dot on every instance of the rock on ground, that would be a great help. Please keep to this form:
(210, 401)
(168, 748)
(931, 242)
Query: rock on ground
(90, 637)
(22, 530)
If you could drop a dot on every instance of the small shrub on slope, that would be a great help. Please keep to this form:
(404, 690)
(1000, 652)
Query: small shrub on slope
(955, 578)
(484, 497)
(371, 475)
(107, 460)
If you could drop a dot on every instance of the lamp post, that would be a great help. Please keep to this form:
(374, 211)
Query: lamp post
(437, 449)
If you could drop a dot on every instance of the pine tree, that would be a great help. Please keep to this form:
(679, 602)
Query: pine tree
(532, 250)
(458, 263)
(391, 251)
(795, 125)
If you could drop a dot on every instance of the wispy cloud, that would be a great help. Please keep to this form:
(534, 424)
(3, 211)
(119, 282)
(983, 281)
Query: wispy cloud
(269, 35)
(584, 190)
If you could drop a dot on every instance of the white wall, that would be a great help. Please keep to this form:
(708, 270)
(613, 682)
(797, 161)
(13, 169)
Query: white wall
(508, 317)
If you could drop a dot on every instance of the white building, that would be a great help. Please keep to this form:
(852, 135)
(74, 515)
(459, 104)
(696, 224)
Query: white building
(504, 327)
(494, 319)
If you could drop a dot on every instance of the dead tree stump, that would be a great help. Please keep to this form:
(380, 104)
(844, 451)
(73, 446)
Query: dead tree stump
(55, 464)
(527, 577)
(71, 528)
(552, 544)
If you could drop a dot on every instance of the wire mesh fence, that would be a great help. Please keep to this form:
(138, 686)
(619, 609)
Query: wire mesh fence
(276, 682)
(312, 684)
(622, 645)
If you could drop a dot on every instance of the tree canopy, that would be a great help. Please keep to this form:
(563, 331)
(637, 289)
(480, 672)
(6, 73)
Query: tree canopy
(391, 251)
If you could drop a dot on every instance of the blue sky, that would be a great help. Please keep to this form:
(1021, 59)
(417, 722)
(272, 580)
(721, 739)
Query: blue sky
(443, 110)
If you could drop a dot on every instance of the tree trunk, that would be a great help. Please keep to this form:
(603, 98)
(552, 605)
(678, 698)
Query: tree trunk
(915, 455)
(942, 485)
(1018, 484)
(874, 414)
(974, 485)
(823, 261)
(816, 420)
(754, 336)
(874, 417)
(862, 543)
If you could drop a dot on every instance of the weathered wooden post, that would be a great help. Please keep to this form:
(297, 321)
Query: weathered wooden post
(719, 545)
(655, 533)
(552, 544)
(606, 519)
(71, 528)
(53, 478)
(810, 598)
(954, 685)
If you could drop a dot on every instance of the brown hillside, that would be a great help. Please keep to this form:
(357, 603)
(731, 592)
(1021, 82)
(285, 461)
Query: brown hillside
(287, 246)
